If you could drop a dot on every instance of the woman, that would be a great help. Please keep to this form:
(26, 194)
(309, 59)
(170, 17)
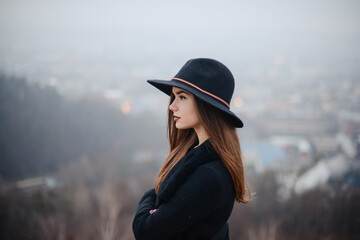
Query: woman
(203, 174)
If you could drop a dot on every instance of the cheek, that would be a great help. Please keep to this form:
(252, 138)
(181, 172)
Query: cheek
(193, 115)
(189, 116)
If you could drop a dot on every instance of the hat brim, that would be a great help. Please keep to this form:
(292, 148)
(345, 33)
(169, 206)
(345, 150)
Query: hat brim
(166, 87)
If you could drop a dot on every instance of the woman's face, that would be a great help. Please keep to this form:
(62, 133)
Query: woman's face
(184, 109)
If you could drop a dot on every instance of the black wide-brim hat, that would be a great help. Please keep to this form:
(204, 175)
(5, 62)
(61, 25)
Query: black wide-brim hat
(208, 80)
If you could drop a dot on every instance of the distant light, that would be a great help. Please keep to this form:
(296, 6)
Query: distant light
(238, 102)
(126, 108)
(279, 60)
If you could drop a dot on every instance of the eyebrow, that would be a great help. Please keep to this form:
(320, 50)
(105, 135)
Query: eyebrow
(180, 92)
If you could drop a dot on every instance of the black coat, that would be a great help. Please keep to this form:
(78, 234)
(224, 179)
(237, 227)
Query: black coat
(194, 201)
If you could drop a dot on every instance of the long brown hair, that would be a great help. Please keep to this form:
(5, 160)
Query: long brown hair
(222, 136)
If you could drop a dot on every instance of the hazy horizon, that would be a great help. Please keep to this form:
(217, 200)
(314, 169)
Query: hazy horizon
(114, 42)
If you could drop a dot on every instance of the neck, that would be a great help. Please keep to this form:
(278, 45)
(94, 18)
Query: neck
(201, 134)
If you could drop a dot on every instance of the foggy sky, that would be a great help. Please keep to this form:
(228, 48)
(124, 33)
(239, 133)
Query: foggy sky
(164, 34)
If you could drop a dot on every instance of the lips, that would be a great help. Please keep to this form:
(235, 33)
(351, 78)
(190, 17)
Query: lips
(176, 118)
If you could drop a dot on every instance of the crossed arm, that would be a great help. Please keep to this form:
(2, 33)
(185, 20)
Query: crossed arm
(194, 200)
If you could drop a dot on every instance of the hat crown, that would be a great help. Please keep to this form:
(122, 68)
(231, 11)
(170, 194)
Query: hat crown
(209, 75)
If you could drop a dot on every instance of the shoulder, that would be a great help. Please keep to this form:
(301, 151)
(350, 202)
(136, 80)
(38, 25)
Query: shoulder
(201, 169)
(211, 163)
(204, 169)
(212, 182)
(214, 172)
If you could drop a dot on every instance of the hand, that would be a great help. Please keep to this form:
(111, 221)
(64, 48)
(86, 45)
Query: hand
(152, 211)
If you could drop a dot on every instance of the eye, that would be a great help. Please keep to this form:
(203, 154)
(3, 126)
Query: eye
(182, 97)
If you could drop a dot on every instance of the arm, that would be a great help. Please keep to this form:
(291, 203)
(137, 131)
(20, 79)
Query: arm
(147, 202)
(195, 199)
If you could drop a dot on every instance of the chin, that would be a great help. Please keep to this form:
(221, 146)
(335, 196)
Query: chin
(181, 127)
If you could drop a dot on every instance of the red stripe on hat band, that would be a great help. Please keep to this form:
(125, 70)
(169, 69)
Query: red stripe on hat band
(212, 95)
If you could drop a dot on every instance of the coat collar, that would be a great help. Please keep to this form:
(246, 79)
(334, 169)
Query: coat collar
(193, 159)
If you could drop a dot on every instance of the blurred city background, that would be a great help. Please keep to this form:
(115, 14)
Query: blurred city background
(82, 135)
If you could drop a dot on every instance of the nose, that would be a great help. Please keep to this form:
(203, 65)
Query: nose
(173, 106)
